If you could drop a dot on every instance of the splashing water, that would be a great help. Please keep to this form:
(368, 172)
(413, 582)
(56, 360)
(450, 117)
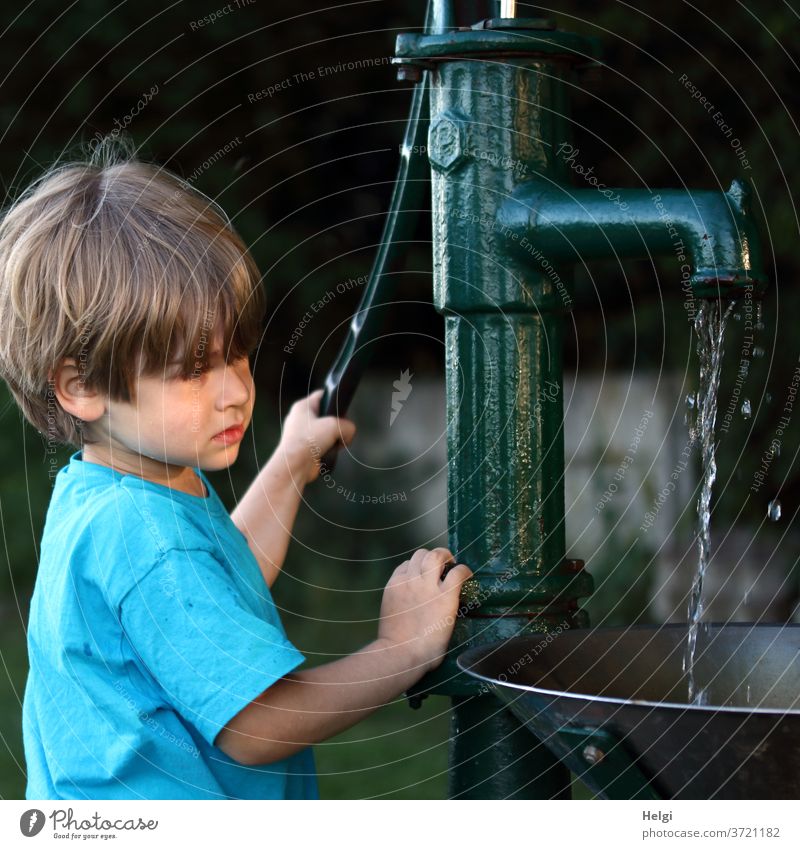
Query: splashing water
(709, 328)
(747, 410)
(687, 418)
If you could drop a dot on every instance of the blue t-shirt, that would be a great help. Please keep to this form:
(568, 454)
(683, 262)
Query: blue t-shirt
(150, 627)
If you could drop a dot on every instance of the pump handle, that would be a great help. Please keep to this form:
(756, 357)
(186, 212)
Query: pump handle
(367, 322)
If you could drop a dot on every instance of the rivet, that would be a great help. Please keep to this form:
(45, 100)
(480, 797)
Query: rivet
(592, 755)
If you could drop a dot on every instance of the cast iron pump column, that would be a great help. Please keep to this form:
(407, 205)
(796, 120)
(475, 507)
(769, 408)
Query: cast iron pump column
(507, 228)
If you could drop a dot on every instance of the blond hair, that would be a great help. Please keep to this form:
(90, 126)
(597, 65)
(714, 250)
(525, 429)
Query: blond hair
(118, 264)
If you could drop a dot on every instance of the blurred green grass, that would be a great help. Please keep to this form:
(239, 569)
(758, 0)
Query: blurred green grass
(396, 753)
(13, 674)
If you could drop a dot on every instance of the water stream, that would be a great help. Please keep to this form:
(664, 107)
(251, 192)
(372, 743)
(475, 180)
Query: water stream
(709, 328)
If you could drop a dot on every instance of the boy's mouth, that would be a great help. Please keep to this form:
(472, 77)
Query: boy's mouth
(231, 434)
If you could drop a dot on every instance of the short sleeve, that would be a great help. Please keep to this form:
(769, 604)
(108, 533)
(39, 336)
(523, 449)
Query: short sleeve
(207, 651)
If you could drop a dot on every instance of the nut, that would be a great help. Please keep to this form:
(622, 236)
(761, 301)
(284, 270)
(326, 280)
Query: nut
(447, 141)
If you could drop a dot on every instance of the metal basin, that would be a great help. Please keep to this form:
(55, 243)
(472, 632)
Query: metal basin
(612, 703)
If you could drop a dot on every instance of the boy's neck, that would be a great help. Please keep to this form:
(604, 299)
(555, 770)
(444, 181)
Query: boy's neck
(182, 478)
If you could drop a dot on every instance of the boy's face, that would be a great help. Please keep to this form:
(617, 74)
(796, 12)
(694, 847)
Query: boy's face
(177, 422)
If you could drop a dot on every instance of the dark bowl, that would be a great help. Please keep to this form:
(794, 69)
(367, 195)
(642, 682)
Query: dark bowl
(612, 703)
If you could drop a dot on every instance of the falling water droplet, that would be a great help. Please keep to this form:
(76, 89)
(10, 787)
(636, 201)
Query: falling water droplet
(774, 509)
(758, 351)
(746, 410)
(737, 316)
(691, 400)
(748, 694)
(768, 398)
(775, 448)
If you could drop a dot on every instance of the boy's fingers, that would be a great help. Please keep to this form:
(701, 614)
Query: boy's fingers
(456, 576)
(336, 431)
(417, 558)
(315, 399)
(399, 573)
(347, 430)
(436, 561)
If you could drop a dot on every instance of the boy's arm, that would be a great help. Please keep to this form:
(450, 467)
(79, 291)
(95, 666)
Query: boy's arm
(266, 513)
(417, 615)
(309, 706)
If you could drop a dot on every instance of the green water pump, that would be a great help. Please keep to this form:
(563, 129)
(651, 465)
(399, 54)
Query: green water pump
(509, 223)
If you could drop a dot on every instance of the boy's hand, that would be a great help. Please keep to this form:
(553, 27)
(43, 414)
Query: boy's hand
(419, 608)
(306, 437)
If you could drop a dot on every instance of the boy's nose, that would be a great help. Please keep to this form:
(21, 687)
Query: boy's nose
(236, 385)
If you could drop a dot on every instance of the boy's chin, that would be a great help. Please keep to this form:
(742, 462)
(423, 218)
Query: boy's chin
(221, 459)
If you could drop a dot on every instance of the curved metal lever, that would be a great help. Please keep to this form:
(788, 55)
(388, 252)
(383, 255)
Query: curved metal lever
(367, 322)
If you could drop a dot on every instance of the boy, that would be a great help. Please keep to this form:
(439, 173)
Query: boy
(159, 668)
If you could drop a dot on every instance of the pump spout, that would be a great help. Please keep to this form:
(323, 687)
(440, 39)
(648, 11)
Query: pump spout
(713, 235)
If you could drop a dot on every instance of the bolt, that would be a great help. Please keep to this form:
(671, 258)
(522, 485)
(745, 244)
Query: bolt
(409, 72)
(592, 755)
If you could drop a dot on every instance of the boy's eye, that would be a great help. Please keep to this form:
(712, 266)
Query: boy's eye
(174, 371)
(198, 370)
(176, 368)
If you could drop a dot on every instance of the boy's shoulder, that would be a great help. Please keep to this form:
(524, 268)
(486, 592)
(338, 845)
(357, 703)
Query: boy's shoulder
(112, 529)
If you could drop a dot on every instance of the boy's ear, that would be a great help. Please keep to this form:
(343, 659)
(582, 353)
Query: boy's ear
(76, 396)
